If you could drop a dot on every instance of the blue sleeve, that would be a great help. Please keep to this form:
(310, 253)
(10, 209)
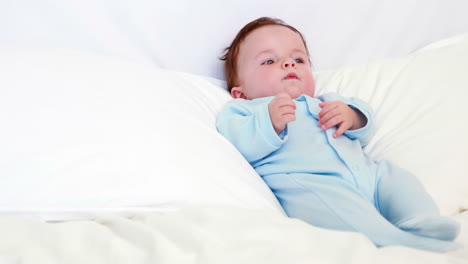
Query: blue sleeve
(247, 125)
(363, 134)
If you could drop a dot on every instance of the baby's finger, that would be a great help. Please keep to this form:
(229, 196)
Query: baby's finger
(289, 117)
(327, 116)
(327, 108)
(341, 129)
(283, 98)
(283, 95)
(285, 102)
(287, 110)
(330, 122)
(324, 103)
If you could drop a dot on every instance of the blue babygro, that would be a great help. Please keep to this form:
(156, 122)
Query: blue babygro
(330, 182)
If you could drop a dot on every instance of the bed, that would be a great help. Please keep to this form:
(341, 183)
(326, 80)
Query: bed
(109, 151)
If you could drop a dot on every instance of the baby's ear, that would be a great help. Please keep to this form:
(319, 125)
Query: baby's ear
(238, 92)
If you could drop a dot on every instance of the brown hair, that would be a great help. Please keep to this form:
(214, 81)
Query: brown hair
(231, 52)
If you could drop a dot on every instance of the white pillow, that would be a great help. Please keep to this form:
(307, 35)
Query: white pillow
(420, 115)
(82, 133)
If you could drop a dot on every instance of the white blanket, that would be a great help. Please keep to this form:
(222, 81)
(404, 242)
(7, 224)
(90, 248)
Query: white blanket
(200, 235)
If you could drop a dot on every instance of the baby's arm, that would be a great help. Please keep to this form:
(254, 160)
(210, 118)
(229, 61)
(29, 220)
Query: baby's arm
(247, 125)
(337, 113)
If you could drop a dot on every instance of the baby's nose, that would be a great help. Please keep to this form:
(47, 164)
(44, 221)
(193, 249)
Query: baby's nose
(289, 63)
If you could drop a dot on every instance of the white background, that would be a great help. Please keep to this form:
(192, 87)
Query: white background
(190, 35)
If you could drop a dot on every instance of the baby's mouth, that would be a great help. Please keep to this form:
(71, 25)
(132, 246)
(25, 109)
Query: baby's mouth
(291, 76)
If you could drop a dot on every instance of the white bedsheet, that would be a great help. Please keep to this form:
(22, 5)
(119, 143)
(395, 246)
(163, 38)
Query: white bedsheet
(201, 235)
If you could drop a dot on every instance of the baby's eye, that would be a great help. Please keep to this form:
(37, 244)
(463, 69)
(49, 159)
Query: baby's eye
(267, 62)
(299, 61)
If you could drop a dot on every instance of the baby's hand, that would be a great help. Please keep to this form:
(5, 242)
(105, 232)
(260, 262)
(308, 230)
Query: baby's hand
(282, 111)
(337, 113)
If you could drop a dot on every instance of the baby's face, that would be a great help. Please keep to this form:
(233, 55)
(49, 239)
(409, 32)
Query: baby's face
(273, 59)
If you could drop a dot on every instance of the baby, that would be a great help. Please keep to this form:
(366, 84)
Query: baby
(308, 149)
